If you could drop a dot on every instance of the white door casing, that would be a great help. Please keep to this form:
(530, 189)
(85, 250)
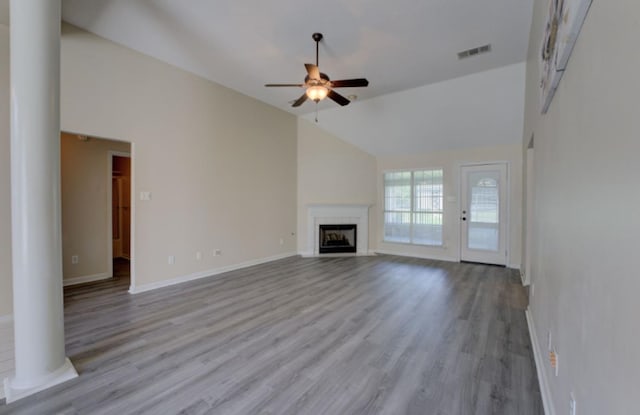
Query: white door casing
(484, 195)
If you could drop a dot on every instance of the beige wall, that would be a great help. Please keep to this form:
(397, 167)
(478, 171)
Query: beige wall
(221, 167)
(6, 304)
(334, 172)
(586, 226)
(450, 161)
(85, 211)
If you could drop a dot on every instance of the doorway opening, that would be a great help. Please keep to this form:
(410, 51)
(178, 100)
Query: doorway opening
(120, 207)
(91, 168)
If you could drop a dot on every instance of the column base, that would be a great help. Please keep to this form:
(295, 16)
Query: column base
(63, 374)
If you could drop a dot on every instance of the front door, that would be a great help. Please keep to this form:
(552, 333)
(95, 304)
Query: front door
(483, 215)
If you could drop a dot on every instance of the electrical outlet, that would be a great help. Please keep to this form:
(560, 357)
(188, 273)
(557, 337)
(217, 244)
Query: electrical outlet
(171, 260)
(217, 252)
(198, 256)
(75, 259)
(572, 404)
(281, 241)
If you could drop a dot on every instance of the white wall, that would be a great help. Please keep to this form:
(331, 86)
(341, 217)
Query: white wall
(450, 162)
(86, 216)
(482, 109)
(586, 226)
(6, 303)
(332, 171)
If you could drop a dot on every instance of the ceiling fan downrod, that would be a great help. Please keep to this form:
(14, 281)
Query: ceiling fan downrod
(317, 37)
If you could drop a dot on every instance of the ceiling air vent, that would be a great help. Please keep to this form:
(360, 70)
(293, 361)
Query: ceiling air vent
(474, 51)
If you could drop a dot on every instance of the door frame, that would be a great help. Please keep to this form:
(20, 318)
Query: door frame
(528, 239)
(110, 156)
(507, 232)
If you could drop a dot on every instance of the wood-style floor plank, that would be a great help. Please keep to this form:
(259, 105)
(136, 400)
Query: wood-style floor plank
(348, 335)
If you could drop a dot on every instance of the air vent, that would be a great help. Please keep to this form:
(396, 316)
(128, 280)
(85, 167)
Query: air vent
(474, 51)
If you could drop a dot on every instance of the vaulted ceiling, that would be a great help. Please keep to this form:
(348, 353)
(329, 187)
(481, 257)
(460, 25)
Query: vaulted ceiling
(398, 45)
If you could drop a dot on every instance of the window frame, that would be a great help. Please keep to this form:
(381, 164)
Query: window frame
(412, 209)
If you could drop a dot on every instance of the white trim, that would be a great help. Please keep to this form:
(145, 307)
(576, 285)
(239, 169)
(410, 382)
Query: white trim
(507, 237)
(6, 319)
(515, 266)
(337, 214)
(64, 373)
(132, 222)
(204, 274)
(421, 256)
(87, 278)
(543, 381)
(528, 226)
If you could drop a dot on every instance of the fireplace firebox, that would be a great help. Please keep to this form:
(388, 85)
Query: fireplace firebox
(338, 239)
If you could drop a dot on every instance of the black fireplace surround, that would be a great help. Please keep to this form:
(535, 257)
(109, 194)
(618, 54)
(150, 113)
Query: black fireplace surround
(338, 239)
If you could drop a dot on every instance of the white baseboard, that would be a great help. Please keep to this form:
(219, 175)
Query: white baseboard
(545, 391)
(6, 319)
(61, 375)
(204, 274)
(87, 278)
(514, 266)
(421, 256)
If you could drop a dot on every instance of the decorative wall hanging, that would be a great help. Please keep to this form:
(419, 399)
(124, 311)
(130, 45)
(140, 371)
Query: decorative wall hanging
(565, 19)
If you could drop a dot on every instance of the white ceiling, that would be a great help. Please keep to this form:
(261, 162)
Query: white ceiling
(398, 45)
(477, 110)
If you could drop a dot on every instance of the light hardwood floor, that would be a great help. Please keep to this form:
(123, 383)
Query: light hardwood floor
(351, 335)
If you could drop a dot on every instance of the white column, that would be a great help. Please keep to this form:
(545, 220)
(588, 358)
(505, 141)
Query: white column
(40, 360)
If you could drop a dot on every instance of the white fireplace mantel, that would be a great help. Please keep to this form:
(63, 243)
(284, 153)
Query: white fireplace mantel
(337, 214)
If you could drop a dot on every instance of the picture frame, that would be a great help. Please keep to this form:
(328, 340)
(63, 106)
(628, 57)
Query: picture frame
(563, 25)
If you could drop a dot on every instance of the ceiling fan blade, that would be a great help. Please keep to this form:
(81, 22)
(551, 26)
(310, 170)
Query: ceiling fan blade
(312, 70)
(300, 100)
(349, 83)
(298, 85)
(338, 98)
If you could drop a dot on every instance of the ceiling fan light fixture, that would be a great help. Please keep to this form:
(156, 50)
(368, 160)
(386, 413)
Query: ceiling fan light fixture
(317, 92)
(318, 86)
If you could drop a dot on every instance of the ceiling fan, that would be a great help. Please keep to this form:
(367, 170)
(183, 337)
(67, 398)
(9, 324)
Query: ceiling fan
(319, 86)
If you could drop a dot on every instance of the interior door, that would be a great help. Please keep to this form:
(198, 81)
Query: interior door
(483, 216)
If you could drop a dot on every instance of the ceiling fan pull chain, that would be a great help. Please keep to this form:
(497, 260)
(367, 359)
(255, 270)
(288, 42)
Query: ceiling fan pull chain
(316, 112)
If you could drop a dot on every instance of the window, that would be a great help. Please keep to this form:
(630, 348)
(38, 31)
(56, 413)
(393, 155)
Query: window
(413, 206)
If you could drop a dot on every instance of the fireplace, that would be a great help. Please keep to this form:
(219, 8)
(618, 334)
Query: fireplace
(336, 214)
(338, 239)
